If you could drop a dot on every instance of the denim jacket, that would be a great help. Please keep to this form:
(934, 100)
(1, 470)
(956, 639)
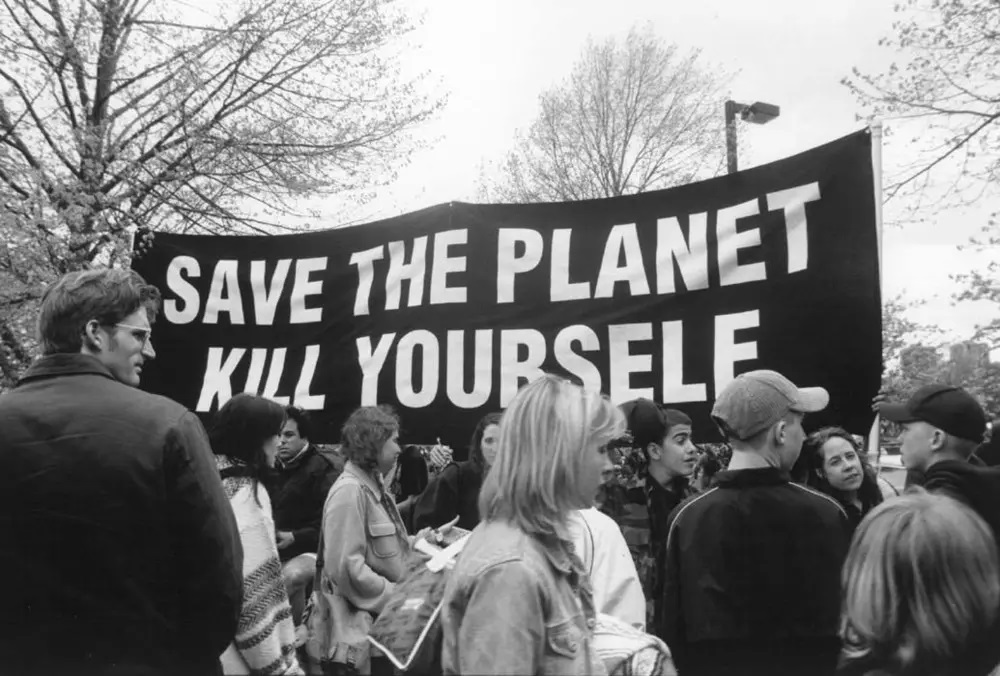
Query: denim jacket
(517, 605)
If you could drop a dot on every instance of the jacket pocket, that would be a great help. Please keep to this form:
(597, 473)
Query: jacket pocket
(564, 639)
(382, 535)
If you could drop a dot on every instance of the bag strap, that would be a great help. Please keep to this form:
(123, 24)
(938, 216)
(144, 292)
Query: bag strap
(589, 540)
(322, 526)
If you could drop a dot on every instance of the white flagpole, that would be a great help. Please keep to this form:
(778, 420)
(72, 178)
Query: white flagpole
(874, 436)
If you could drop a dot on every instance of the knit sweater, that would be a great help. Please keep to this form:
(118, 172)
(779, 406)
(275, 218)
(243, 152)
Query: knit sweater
(265, 636)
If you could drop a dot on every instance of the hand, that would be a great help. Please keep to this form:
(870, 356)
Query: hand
(882, 396)
(405, 504)
(436, 535)
(285, 539)
(440, 456)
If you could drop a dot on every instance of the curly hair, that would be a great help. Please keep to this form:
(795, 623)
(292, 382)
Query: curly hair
(365, 433)
(809, 467)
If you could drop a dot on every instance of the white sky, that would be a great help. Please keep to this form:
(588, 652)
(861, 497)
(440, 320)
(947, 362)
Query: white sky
(496, 56)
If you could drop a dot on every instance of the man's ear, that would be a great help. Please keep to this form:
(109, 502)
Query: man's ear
(92, 338)
(654, 451)
(780, 432)
(938, 439)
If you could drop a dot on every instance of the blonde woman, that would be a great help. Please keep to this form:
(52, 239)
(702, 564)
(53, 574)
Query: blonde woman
(921, 591)
(518, 600)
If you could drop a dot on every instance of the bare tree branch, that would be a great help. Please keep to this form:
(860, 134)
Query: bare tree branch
(118, 114)
(632, 116)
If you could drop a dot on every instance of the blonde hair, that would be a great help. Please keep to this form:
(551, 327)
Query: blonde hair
(544, 437)
(921, 586)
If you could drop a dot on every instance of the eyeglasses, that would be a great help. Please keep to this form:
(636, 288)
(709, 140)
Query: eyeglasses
(140, 332)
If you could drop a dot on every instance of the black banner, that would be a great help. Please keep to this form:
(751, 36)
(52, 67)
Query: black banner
(445, 312)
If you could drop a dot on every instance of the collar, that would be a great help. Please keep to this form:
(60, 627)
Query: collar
(67, 364)
(292, 462)
(365, 478)
(676, 486)
(761, 476)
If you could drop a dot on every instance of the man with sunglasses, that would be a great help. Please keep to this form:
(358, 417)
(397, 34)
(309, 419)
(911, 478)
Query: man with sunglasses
(120, 550)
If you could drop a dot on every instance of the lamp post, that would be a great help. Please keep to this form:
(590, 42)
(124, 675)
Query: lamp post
(755, 113)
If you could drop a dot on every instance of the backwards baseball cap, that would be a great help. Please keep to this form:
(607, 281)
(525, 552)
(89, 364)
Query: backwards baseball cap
(755, 400)
(948, 408)
(648, 422)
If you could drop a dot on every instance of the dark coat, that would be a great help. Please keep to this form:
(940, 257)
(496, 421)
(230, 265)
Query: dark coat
(752, 578)
(976, 485)
(120, 550)
(453, 492)
(298, 491)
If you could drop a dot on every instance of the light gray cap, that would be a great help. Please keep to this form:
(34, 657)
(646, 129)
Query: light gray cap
(755, 400)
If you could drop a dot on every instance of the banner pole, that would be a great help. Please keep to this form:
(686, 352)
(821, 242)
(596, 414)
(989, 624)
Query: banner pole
(875, 434)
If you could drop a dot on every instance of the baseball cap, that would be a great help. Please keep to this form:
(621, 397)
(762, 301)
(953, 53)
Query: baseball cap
(755, 400)
(948, 408)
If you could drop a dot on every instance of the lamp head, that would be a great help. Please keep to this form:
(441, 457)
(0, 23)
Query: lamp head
(759, 113)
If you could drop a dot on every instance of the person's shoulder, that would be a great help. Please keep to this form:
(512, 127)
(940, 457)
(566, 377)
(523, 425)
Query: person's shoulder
(329, 455)
(600, 524)
(346, 483)
(462, 470)
(146, 405)
(322, 460)
(960, 479)
(694, 506)
(596, 518)
(816, 500)
(500, 546)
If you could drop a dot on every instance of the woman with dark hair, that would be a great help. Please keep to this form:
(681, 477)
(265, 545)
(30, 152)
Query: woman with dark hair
(455, 491)
(245, 442)
(832, 462)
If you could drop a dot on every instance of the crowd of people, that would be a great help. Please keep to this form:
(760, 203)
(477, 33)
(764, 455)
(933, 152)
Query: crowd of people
(581, 537)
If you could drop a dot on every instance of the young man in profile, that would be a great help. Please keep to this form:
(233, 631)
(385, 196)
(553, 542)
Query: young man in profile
(662, 437)
(298, 485)
(942, 428)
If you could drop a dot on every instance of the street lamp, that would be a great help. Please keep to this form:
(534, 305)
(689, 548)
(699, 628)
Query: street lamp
(756, 113)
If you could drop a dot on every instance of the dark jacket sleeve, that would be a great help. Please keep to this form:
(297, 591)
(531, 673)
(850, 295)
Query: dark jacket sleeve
(307, 537)
(669, 621)
(439, 503)
(208, 556)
